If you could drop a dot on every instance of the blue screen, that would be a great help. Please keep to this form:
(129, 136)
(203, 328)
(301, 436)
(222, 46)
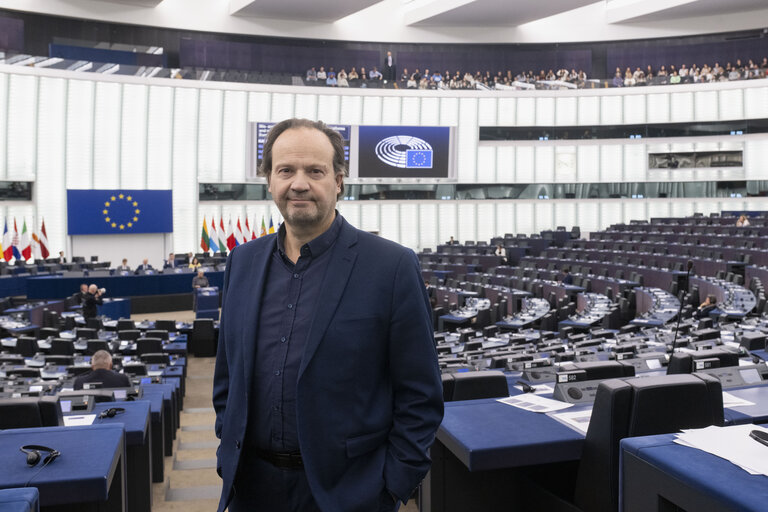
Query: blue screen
(404, 151)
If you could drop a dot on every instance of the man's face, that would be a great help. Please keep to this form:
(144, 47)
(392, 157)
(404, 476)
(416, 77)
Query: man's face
(145, 261)
(302, 181)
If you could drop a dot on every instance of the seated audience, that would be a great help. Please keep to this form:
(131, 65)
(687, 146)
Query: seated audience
(193, 263)
(706, 307)
(124, 267)
(101, 371)
(200, 281)
(170, 262)
(566, 277)
(312, 75)
(342, 78)
(144, 267)
(743, 221)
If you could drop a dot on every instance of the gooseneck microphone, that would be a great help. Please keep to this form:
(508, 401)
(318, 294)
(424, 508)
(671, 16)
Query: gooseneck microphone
(680, 311)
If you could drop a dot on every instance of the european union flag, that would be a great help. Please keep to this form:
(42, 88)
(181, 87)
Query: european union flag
(102, 212)
(418, 158)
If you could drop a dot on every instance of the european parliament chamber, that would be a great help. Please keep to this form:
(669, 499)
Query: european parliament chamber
(583, 184)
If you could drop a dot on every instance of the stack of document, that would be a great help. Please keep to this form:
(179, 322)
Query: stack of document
(730, 443)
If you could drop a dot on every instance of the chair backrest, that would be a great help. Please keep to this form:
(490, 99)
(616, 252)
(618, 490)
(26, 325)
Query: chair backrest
(149, 345)
(19, 413)
(26, 346)
(166, 325)
(62, 347)
(48, 331)
(95, 345)
(124, 324)
(94, 323)
(639, 407)
(128, 334)
(158, 333)
(480, 384)
(85, 333)
(60, 360)
(50, 411)
(156, 358)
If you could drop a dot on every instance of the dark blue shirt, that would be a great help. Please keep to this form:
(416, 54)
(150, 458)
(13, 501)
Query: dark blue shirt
(291, 293)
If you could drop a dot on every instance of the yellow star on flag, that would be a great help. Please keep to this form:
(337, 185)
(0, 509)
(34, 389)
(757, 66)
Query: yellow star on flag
(130, 224)
(106, 204)
(106, 219)
(138, 211)
(121, 196)
(113, 225)
(122, 226)
(129, 198)
(105, 212)
(113, 198)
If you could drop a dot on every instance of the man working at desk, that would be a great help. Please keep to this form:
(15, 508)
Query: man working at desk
(327, 390)
(101, 371)
(200, 281)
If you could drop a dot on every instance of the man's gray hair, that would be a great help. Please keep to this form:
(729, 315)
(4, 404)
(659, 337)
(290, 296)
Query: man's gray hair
(101, 360)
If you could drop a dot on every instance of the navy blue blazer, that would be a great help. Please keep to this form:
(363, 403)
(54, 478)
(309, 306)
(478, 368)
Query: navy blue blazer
(369, 394)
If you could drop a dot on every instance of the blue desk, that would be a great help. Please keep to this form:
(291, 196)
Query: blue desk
(135, 421)
(483, 446)
(757, 413)
(657, 474)
(167, 391)
(56, 287)
(20, 500)
(13, 285)
(154, 397)
(115, 308)
(67, 482)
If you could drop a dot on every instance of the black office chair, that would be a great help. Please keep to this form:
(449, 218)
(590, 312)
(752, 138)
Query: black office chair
(638, 407)
(129, 334)
(135, 369)
(62, 347)
(156, 358)
(23, 372)
(94, 323)
(93, 346)
(157, 333)
(45, 332)
(86, 333)
(50, 411)
(19, 413)
(202, 340)
(60, 360)
(166, 325)
(149, 345)
(26, 346)
(125, 324)
(480, 384)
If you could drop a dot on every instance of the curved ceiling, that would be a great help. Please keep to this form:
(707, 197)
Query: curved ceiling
(440, 21)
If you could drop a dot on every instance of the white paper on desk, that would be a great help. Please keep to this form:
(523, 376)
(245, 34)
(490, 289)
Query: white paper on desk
(534, 403)
(577, 420)
(74, 421)
(730, 400)
(730, 443)
(540, 389)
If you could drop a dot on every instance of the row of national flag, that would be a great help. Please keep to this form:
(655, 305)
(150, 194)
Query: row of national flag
(217, 238)
(24, 246)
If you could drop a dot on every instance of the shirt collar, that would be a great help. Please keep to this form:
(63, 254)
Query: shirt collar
(316, 246)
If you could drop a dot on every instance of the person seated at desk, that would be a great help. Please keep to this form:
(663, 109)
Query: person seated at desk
(706, 307)
(170, 262)
(124, 267)
(144, 267)
(742, 222)
(91, 300)
(501, 251)
(80, 296)
(200, 281)
(61, 258)
(566, 277)
(452, 242)
(193, 263)
(101, 371)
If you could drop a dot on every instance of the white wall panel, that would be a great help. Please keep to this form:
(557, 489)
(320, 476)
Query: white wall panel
(707, 105)
(486, 221)
(430, 111)
(371, 110)
(658, 108)
(449, 111)
(567, 111)
(565, 213)
(706, 206)
(22, 126)
(756, 159)
(635, 162)
(369, 215)
(588, 217)
(328, 107)
(259, 107)
(133, 137)
(681, 208)
(681, 107)
(545, 164)
(390, 113)
(185, 142)
(525, 220)
(106, 135)
(282, 106)
(526, 111)
(565, 164)
(505, 217)
(731, 104)
(611, 163)
(467, 140)
(634, 209)
(524, 164)
(78, 132)
(428, 224)
(634, 109)
(411, 111)
(4, 78)
(306, 106)
(507, 113)
(544, 215)
(467, 221)
(486, 164)
(487, 112)
(505, 164)
(351, 110)
(160, 137)
(588, 163)
(447, 221)
(589, 110)
(50, 192)
(390, 221)
(211, 111)
(658, 208)
(233, 137)
(545, 111)
(350, 210)
(756, 102)
(610, 212)
(409, 225)
(611, 110)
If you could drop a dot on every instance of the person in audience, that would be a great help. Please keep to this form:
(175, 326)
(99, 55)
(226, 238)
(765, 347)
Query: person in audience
(101, 371)
(706, 307)
(389, 69)
(501, 251)
(411, 83)
(331, 80)
(363, 77)
(310, 341)
(674, 78)
(321, 75)
(404, 76)
(91, 300)
(343, 78)
(170, 262)
(193, 263)
(200, 281)
(451, 241)
(80, 296)
(353, 76)
(629, 79)
(61, 258)
(566, 277)
(124, 267)
(312, 75)
(617, 80)
(743, 221)
(375, 74)
(144, 267)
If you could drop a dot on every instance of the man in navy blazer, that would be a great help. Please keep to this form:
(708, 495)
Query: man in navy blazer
(327, 390)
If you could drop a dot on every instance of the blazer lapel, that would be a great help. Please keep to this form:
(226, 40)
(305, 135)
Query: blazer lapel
(252, 304)
(334, 283)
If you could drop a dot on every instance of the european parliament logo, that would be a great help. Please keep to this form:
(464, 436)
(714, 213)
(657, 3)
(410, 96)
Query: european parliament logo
(121, 211)
(405, 152)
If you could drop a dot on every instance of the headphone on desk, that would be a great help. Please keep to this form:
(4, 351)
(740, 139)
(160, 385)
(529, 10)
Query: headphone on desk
(111, 412)
(33, 454)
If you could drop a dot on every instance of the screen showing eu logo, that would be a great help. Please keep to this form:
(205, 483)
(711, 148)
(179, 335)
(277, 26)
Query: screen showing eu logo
(102, 212)
(403, 151)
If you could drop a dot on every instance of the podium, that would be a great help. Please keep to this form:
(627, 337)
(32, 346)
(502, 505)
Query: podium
(207, 303)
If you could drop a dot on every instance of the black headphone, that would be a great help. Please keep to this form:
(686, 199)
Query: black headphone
(111, 412)
(33, 454)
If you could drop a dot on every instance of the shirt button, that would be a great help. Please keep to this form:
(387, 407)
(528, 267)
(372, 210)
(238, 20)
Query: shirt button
(282, 340)
(295, 276)
(275, 408)
(290, 306)
(277, 372)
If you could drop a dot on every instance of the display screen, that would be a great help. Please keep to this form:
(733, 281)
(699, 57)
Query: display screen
(403, 151)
